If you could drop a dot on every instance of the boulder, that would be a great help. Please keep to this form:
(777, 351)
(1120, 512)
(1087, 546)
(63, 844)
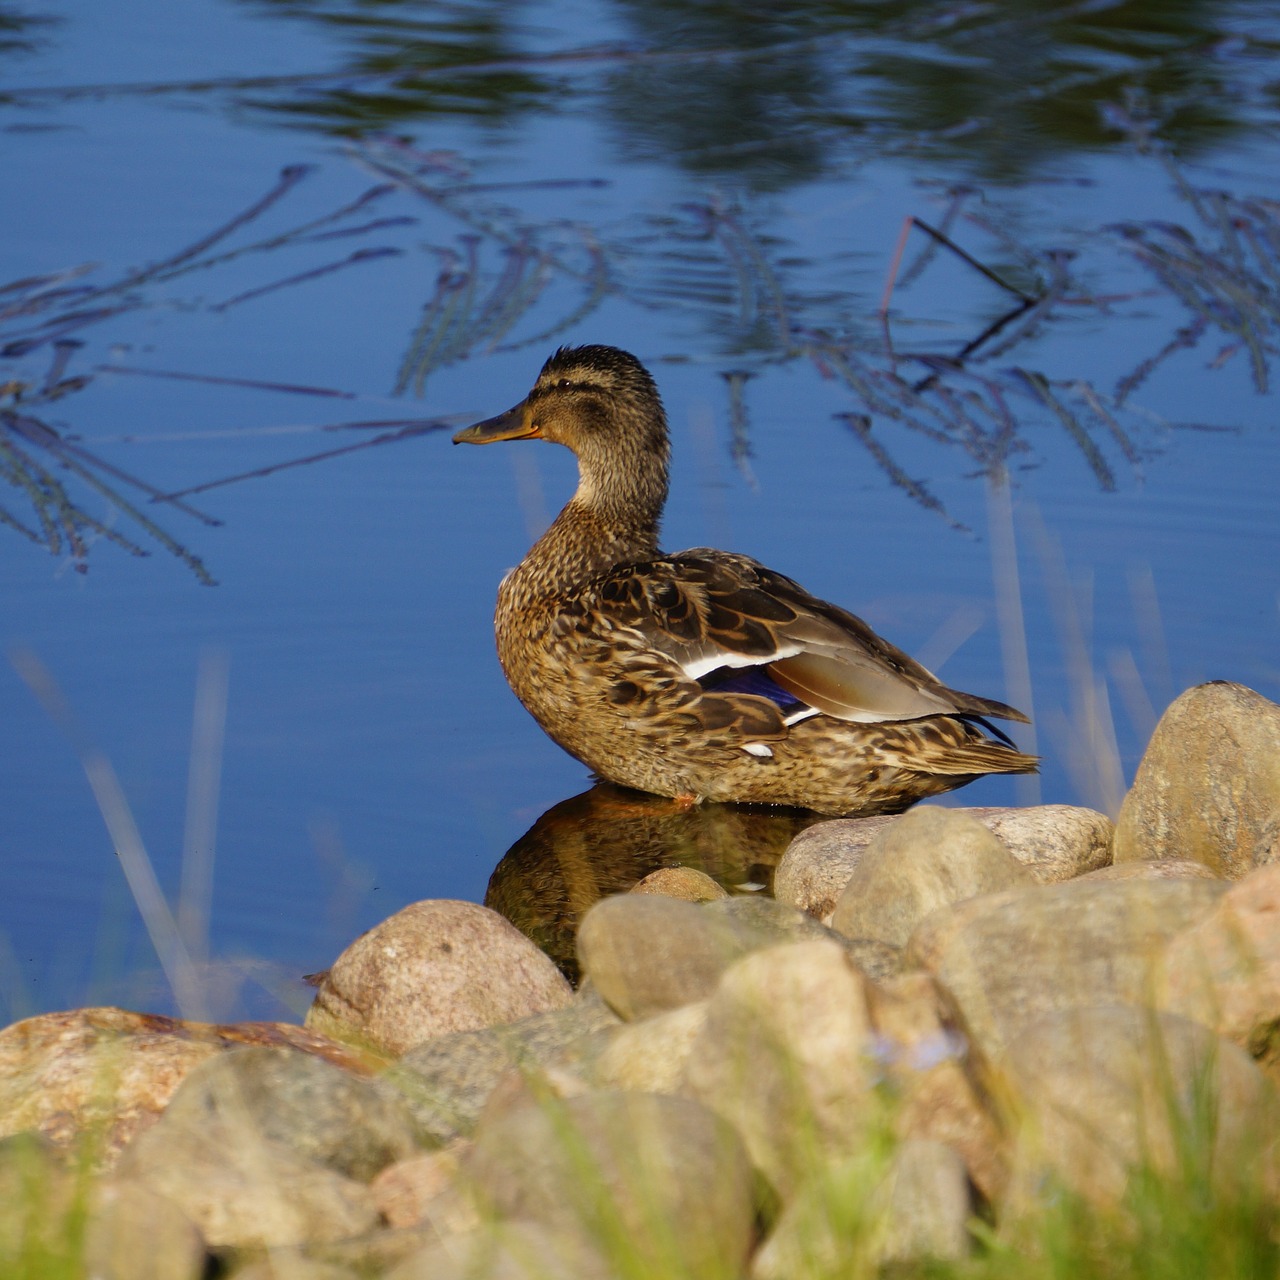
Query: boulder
(1164, 869)
(1096, 1094)
(1224, 970)
(785, 1056)
(649, 1056)
(351, 1125)
(109, 1072)
(427, 1188)
(928, 858)
(1009, 958)
(447, 1081)
(242, 1189)
(842, 1223)
(647, 954)
(508, 1251)
(1208, 786)
(57, 1220)
(663, 1176)
(1052, 841)
(938, 1095)
(432, 968)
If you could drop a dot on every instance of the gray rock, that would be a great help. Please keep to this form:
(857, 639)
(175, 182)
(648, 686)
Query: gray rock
(447, 1081)
(243, 1190)
(508, 1251)
(285, 1266)
(1009, 958)
(1164, 869)
(1096, 1093)
(1208, 787)
(661, 1176)
(133, 1233)
(938, 1090)
(1224, 971)
(54, 1222)
(348, 1124)
(646, 955)
(109, 1072)
(765, 922)
(837, 1224)
(649, 1056)
(426, 1188)
(928, 858)
(1052, 841)
(820, 860)
(786, 1057)
(433, 968)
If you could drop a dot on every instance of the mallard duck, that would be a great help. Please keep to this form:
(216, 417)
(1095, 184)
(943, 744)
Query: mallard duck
(703, 675)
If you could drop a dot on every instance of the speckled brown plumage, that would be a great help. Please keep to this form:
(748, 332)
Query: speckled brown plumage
(705, 674)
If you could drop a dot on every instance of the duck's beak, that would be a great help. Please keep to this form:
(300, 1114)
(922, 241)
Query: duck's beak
(515, 424)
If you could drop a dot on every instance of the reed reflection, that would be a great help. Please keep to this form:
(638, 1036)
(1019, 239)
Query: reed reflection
(606, 840)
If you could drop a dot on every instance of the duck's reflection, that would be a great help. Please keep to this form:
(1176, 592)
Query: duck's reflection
(607, 839)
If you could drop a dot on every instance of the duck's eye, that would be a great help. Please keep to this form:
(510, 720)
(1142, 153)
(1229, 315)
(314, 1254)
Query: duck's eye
(564, 383)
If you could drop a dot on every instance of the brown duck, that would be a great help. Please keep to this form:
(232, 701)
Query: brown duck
(703, 675)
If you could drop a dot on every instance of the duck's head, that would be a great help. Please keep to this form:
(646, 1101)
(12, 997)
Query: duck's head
(598, 401)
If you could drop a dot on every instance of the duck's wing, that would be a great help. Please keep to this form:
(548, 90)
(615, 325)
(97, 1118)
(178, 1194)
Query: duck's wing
(736, 627)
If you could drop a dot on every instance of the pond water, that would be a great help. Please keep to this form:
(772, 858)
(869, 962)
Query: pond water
(247, 234)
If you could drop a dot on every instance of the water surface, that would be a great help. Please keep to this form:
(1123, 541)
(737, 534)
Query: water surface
(719, 189)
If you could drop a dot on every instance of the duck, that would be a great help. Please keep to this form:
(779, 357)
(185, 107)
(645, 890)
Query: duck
(703, 675)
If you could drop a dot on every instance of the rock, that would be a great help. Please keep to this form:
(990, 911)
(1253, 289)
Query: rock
(369, 1255)
(648, 954)
(1165, 869)
(1052, 841)
(447, 1081)
(785, 1056)
(764, 922)
(432, 968)
(924, 1205)
(1097, 1093)
(877, 960)
(350, 1125)
(839, 1223)
(425, 1188)
(508, 1251)
(281, 1266)
(242, 1189)
(110, 1072)
(135, 1234)
(55, 1220)
(662, 1176)
(937, 1095)
(1224, 971)
(819, 861)
(686, 883)
(1009, 958)
(649, 1056)
(1208, 787)
(928, 858)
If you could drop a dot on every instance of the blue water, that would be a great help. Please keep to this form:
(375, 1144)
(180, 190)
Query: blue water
(373, 754)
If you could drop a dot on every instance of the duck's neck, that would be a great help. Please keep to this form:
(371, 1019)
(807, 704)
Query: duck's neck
(611, 520)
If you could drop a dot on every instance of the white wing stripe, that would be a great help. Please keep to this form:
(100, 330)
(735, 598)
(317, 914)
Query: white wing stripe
(696, 668)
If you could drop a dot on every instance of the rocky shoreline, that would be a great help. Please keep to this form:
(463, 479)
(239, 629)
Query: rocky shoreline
(948, 1017)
